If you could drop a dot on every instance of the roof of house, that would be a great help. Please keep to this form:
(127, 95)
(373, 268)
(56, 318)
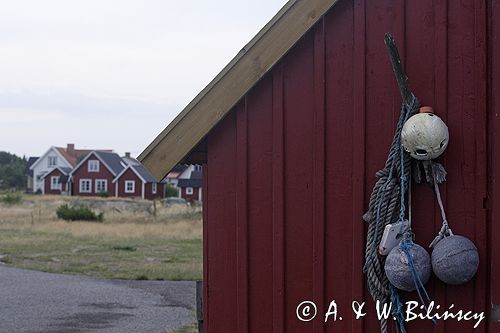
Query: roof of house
(177, 171)
(232, 83)
(111, 160)
(29, 163)
(144, 173)
(64, 170)
(195, 180)
(140, 171)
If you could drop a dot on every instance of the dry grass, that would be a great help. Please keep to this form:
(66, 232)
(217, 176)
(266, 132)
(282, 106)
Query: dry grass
(138, 239)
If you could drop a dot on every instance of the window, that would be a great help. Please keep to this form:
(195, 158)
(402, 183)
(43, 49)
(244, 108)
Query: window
(129, 186)
(189, 190)
(52, 161)
(197, 167)
(85, 186)
(101, 185)
(154, 188)
(54, 183)
(93, 166)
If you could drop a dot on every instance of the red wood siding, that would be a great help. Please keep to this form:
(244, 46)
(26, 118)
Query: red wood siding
(82, 173)
(47, 182)
(149, 191)
(190, 197)
(129, 175)
(290, 169)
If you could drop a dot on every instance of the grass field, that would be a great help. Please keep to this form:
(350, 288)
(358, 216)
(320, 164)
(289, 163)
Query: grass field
(137, 240)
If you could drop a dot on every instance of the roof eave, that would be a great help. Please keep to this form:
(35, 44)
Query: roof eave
(232, 83)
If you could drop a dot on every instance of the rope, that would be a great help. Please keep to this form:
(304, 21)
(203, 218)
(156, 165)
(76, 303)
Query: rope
(445, 229)
(384, 204)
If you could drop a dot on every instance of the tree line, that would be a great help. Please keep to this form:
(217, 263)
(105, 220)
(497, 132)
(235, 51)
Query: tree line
(12, 171)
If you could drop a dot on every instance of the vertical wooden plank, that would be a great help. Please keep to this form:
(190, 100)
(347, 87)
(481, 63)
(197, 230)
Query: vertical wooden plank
(318, 186)
(383, 101)
(260, 206)
(206, 253)
(481, 150)
(222, 273)
(493, 200)
(298, 170)
(339, 166)
(441, 108)
(466, 122)
(278, 219)
(242, 217)
(359, 144)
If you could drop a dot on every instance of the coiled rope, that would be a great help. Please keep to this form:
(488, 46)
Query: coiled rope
(385, 204)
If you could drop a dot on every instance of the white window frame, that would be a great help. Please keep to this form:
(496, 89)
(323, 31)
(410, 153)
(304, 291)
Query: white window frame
(132, 182)
(54, 183)
(154, 188)
(93, 166)
(81, 189)
(52, 159)
(189, 190)
(105, 182)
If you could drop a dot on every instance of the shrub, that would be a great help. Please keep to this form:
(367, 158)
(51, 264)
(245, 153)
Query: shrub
(171, 191)
(78, 213)
(104, 194)
(11, 198)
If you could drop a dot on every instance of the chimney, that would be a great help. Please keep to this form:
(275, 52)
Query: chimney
(127, 154)
(70, 148)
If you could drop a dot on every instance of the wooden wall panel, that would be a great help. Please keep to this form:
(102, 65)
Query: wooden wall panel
(291, 168)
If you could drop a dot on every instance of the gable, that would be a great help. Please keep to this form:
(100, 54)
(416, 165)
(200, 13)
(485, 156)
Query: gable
(42, 162)
(235, 80)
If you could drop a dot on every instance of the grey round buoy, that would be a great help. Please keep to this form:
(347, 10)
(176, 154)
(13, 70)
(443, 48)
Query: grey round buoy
(455, 259)
(398, 270)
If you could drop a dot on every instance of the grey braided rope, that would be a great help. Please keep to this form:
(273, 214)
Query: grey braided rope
(385, 200)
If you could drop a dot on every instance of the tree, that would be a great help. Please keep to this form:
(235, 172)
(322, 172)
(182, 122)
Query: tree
(12, 171)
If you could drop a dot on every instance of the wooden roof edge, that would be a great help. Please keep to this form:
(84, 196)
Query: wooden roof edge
(256, 58)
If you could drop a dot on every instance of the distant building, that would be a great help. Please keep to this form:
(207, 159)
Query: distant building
(29, 173)
(190, 188)
(54, 157)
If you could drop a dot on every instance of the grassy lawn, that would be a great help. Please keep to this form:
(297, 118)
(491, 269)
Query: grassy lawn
(134, 241)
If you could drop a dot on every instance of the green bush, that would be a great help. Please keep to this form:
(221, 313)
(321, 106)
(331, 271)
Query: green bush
(78, 213)
(171, 191)
(11, 198)
(103, 194)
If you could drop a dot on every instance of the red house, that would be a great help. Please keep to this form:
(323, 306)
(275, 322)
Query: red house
(95, 173)
(190, 188)
(291, 134)
(136, 181)
(56, 181)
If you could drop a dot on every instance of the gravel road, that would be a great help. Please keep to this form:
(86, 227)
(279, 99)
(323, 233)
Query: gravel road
(38, 302)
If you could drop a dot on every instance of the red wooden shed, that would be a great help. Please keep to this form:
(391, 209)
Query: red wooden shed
(291, 134)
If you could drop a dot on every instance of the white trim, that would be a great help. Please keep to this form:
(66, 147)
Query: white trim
(133, 186)
(80, 185)
(125, 170)
(199, 194)
(49, 172)
(105, 186)
(95, 163)
(52, 148)
(189, 190)
(58, 185)
(143, 190)
(154, 188)
(116, 189)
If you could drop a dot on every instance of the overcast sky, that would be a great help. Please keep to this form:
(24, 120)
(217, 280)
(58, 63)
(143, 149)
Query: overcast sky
(111, 73)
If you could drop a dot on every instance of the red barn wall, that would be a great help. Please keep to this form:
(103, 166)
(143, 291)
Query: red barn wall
(47, 182)
(290, 169)
(129, 175)
(190, 197)
(149, 191)
(83, 173)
